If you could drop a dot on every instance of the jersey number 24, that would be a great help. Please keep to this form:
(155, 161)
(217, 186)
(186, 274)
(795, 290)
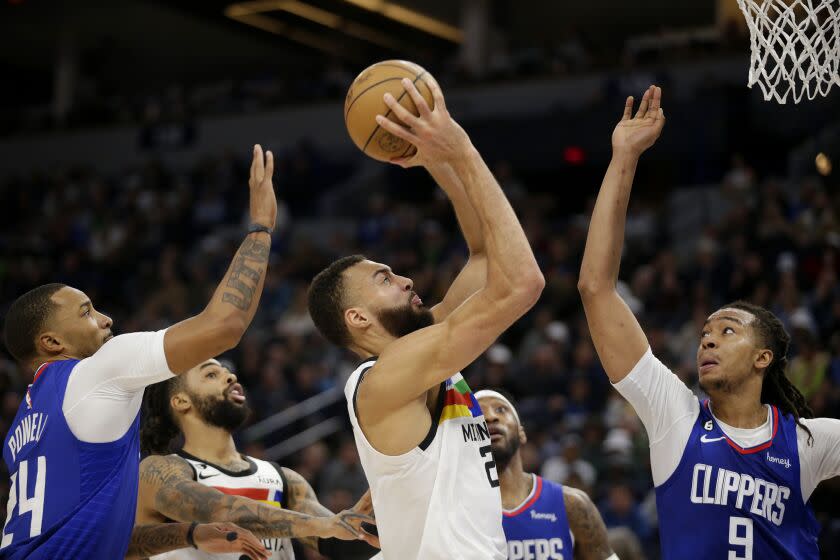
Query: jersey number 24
(33, 504)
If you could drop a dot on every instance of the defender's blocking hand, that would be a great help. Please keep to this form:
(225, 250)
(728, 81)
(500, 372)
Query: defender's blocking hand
(263, 203)
(635, 134)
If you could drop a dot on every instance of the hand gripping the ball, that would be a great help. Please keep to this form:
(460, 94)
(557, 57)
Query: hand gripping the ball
(435, 134)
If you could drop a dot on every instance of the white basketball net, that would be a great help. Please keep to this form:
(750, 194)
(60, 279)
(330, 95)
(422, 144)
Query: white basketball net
(795, 47)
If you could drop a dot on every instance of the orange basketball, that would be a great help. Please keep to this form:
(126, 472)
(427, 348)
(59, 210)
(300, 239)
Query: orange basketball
(364, 101)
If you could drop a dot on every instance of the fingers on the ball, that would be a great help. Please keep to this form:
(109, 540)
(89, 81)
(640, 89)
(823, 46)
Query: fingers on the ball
(418, 99)
(437, 93)
(401, 112)
(628, 109)
(397, 130)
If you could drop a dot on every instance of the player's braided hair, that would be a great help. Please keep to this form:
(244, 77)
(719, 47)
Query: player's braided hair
(159, 427)
(777, 389)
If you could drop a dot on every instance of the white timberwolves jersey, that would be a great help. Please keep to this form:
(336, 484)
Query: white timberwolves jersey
(263, 482)
(440, 500)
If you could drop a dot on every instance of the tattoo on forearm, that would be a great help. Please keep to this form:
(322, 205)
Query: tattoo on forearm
(587, 526)
(239, 293)
(302, 498)
(149, 540)
(179, 497)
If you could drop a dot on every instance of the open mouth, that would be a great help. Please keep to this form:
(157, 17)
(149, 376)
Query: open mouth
(236, 393)
(416, 300)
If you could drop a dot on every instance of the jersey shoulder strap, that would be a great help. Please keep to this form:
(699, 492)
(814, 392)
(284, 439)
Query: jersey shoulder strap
(284, 502)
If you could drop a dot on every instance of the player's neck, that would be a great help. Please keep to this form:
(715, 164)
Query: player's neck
(211, 443)
(514, 483)
(373, 343)
(738, 411)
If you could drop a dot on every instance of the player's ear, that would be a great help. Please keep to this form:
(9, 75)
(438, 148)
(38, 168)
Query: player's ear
(763, 359)
(180, 402)
(50, 343)
(356, 318)
(523, 437)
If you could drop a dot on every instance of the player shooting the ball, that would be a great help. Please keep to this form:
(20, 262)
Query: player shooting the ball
(422, 438)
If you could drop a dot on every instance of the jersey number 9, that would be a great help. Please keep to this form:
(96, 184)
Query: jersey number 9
(735, 539)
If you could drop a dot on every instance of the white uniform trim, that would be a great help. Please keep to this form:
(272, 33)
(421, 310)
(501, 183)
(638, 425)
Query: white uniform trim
(436, 501)
(105, 391)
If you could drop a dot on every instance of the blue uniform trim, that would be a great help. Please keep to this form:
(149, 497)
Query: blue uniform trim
(726, 501)
(80, 498)
(539, 528)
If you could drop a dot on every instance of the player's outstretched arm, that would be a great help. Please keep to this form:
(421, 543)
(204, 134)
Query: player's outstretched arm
(585, 523)
(302, 498)
(423, 359)
(618, 337)
(167, 486)
(223, 322)
(215, 538)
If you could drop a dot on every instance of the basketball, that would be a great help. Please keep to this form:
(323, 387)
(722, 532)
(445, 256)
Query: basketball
(364, 101)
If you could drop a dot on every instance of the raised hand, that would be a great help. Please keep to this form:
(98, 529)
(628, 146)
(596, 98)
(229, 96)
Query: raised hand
(635, 134)
(263, 200)
(435, 134)
(219, 538)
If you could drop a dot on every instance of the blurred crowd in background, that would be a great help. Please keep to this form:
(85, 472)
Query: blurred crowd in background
(100, 102)
(149, 245)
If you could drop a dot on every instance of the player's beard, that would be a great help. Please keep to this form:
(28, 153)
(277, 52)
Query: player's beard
(405, 319)
(221, 413)
(503, 455)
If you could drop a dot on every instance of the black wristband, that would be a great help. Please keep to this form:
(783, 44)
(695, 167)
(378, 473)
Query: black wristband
(190, 537)
(255, 228)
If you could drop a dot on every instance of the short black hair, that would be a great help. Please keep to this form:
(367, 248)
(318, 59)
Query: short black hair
(26, 318)
(326, 300)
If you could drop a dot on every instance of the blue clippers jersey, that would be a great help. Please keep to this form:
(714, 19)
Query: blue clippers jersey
(68, 499)
(724, 501)
(538, 529)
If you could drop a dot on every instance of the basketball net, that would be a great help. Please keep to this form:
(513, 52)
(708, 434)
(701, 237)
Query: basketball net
(795, 47)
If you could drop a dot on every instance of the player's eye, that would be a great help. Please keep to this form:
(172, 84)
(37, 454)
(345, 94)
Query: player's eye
(87, 312)
(728, 329)
(704, 333)
(386, 280)
(211, 375)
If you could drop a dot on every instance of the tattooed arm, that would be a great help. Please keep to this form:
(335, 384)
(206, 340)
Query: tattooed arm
(167, 486)
(586, 525)
(223, 322)
(302, 498)
(217, 538)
